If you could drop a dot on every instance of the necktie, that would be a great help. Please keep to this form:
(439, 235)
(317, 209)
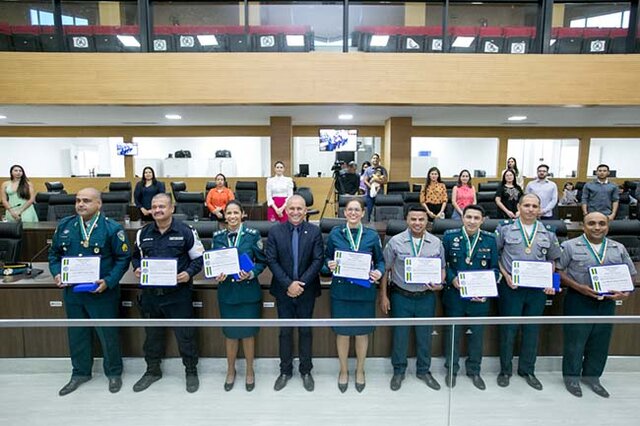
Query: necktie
(295, 243)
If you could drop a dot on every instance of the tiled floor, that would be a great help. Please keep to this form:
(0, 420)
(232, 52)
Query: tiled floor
(31, 398)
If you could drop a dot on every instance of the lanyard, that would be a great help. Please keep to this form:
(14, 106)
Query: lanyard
(237, 241)
(87, 230)
(528, 239)
(603, 249)
(470, 246)
(355, 245)
(416, 249)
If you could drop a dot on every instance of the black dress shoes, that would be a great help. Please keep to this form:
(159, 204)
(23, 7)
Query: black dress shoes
(193, 383)
(281, 381)
(450, 380)
(115, 384)
(145, 381)
(429, 380)
(229, 385)
(396, 382)
(360, 386)
(308, 382)
(249, 386)
(573, 386)
(73, 384)
(477, 381)
(343, 386)
(531, 380)
(503, 380)
(597, 387)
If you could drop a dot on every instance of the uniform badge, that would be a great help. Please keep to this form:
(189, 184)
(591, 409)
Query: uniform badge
(125, 247)
(456, 239)
(456, 244)
(66, 231)
(96, 250)
(544, 251)
(121, 236)
(259, 244)
(483, 263)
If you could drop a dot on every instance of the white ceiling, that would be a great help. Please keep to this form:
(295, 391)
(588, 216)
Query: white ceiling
(569, 116)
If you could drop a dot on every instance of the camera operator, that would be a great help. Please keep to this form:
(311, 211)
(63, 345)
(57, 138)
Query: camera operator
(348, 180)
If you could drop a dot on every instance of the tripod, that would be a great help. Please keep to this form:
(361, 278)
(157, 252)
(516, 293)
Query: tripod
(332, 189)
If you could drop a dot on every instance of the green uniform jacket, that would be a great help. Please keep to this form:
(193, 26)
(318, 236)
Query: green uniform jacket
(485, 255)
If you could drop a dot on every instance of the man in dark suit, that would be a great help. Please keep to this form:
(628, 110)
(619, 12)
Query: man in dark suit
(295, 284)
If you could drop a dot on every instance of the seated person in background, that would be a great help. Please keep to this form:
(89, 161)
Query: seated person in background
(147, 188)
(18, 196)
(569, 195)
(218, 197)
(348, 180)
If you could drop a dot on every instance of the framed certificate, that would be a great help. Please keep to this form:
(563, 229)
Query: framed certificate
(80, 270)
(608, 278)
(423, 270)
(531, 273)
(222, 261)
(477, 284)
(158, 272)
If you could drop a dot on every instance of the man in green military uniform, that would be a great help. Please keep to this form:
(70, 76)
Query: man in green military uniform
(89, 233)
(467, 249)
(586, 346)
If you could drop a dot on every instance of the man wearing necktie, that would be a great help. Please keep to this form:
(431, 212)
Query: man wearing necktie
(295, 256)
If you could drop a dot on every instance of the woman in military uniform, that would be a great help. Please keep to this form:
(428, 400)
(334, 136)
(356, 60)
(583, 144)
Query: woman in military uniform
(348, 298)
(240, 296)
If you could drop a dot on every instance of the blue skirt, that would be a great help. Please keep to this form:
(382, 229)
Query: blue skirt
(240, 311)
(353, 309)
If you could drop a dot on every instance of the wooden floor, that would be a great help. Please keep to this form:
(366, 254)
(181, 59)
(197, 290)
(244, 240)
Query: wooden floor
(29, 397)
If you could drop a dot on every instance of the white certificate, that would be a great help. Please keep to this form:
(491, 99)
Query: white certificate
(423, 270)
(352, 265)
(80, 270)
(158, 272)
(532, 274)
(477, 284)
(223, 261)
(610, 278)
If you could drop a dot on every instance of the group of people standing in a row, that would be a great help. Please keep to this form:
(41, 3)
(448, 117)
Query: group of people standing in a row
(296, 254)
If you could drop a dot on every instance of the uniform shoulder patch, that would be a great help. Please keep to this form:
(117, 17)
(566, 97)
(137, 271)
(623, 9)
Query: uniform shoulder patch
(121, 236)
(451, 231)
(260, 244)
(220, 232)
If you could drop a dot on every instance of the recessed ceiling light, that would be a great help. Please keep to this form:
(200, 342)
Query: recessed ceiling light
(345, 117)
(2, 117)
(517, 118)
(173, 116)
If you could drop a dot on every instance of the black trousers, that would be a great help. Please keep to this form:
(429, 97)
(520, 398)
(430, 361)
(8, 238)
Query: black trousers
(154, 304)
(294, 308)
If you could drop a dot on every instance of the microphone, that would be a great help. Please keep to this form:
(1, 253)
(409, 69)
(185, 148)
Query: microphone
(34, 272)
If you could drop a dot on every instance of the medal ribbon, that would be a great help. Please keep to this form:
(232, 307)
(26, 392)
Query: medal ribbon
(237, 241)
(603, 249)
(470, 247)
(86, 233)
(416, 249)
(528, 239)
(355, 245)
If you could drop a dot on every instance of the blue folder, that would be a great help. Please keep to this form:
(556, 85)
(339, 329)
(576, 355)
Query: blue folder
(85, 288)
(246, 264)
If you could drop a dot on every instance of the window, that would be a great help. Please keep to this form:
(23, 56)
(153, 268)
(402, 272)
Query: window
(620, 154)
(451, 155)
(609, 20)
(561, 155)
(41, 17)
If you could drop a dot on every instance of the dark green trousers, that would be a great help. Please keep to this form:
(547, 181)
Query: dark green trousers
(586, 346)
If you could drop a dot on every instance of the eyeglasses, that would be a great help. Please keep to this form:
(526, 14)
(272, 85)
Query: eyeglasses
(353, 210)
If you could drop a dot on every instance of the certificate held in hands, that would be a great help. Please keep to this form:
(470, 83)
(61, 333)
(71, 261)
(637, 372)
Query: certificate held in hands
(527, 273)
(222, 261)
(80, 270)
(159, 272)
(606, 279)
(423, 270)
(477, 284)
(354, 266)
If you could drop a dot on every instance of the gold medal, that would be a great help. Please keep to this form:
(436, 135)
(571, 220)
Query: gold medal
(85, 244)
(527, 250)
(468, 261)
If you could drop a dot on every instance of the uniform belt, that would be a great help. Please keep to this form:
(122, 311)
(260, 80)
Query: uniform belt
(163, 291)
(407, 293)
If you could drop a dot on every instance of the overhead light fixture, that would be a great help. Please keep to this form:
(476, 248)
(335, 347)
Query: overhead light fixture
(2, 117)
(173, 116)
(517, 118)
(345, 117)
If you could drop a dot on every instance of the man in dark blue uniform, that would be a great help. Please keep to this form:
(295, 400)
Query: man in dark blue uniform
(89, 233)
(295, 256)
(168, 238)
(467, 249)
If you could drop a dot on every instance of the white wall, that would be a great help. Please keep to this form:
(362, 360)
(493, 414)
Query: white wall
(451, 155)
(619, 154)
(561, 155)
(306, 150)
(61, 157)
(251, 155)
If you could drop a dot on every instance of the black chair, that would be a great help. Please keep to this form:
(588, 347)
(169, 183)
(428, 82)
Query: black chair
(262, 226)
(205, 230)
(10, 241)
(343, 200)
(440, 226)
(579, 186)
(416, 187)
(305, 192)
(558, 227)
(247, 192)
(60, 206)
(328, 223)
(42, 204)
(190, 204)
(177, 187)
(210, 185)
(115, 205)
(121, 187)
(490, 225)
(488, 186)
(395, 187)
(57, 187)
(388, 207)
(627, 233)
(488, 202)
(410, 199)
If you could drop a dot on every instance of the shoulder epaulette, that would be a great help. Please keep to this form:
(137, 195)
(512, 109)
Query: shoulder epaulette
(220, 232)
(487, 233)
(452, 231)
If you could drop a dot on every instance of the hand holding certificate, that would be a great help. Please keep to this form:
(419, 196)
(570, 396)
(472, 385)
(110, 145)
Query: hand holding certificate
(351, 264)
(80, 270)
(532, 274)
(423, 270)
(223, 261)
(158, 272)
(611, 278)
(477, 284)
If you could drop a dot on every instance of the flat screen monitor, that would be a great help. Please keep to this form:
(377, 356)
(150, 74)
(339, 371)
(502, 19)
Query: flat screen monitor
(303, 170)
(127, 149)
(338, 140)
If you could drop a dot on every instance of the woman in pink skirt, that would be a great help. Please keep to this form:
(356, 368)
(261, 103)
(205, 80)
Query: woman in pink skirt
(279, 188)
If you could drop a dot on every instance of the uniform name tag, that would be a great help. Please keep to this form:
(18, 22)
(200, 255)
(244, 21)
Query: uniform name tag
(176, 238)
